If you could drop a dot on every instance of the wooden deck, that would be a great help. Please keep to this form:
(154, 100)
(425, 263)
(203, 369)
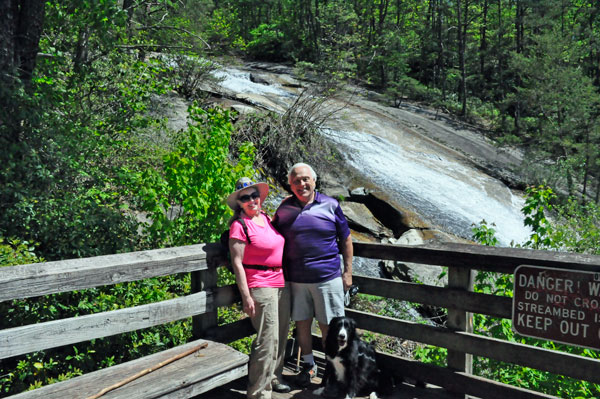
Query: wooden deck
(237, 389)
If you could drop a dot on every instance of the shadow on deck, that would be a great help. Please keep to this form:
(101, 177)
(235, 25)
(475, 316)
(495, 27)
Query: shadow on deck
(237, 389)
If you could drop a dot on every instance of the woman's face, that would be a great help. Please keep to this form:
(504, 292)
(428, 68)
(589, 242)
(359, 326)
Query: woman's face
(249, 201)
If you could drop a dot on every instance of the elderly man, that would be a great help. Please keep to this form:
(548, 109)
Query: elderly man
(315, 231)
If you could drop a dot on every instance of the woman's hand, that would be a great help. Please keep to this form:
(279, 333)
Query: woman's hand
(248, 304)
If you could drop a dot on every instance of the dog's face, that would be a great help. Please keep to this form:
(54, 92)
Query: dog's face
(342, 330)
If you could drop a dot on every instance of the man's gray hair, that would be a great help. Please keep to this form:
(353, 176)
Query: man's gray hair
(300, 165)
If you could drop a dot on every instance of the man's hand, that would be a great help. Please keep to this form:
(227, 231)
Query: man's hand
(347, 280)
(347, 254)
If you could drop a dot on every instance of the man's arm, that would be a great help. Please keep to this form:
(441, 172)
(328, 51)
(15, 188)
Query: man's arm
(347, 252)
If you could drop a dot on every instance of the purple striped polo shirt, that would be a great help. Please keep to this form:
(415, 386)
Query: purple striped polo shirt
(311, 253)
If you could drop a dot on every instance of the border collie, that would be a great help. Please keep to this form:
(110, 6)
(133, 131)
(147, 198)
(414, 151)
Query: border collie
(351, 362)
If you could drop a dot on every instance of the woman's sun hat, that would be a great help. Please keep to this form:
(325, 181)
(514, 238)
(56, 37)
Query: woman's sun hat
(242, 184)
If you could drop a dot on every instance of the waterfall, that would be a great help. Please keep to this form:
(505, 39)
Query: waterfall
(445, 193)
(441, 187)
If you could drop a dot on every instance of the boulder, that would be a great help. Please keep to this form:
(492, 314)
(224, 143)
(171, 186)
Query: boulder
(259, 79)
(361, 219)
(412, 272)
(396, 218)
(332, 185)
(359, 192)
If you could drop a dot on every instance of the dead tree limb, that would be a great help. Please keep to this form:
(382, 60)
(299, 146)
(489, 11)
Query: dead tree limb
(149, 370)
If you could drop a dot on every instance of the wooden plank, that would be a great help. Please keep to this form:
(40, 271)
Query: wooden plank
(491, 305)
(191, 375)
(528, 356)
(232, 331)
(206, 385)
(25, 281)
(52, 334)
(204, 280)
(479, 257)
(461, 279)
(455, 381)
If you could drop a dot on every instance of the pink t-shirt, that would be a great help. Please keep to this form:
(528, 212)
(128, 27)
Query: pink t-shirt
(266, 249)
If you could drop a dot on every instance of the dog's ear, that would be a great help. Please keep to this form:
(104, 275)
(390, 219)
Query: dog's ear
(352, 323)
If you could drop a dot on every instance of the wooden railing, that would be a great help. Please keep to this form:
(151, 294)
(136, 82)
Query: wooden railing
(196, 375)
(202, 260)
(460, 302)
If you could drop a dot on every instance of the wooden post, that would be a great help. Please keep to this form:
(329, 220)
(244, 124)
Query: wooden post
(205, 280)
(460, 278)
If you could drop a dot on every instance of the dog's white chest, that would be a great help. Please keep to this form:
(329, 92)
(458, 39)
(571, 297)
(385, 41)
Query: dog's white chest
(338, 367)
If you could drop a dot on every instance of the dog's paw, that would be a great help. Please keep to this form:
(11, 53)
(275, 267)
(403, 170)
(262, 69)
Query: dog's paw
(373, 395)
(318, 391)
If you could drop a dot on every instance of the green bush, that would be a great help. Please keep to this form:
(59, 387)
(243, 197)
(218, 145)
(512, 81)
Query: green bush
(185, 200)
(190, 73)
(266, 43)
(406, 88)
(16, 252)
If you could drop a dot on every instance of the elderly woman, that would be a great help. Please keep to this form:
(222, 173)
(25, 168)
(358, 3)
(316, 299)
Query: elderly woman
(256, 255)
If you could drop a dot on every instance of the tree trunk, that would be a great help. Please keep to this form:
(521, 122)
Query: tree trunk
(128, 6)
(462, 39)
(519, 27)
(585, 177)
(440, 73)
(29, 25)
(81, 51)
(21, 23)
(8, 16)
(483, 42)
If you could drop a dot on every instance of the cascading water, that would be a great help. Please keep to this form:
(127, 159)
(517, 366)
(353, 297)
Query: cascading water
(423, 176)
(442, 191)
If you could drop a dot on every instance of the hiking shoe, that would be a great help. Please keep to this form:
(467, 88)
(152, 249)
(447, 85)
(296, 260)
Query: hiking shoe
(308, 372)
(279, 386)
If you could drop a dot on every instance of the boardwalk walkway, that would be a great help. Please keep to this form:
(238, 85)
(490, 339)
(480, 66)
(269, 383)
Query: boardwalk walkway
(237, 389)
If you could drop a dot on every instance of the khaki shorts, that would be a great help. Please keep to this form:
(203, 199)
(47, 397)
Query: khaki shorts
(323, 301)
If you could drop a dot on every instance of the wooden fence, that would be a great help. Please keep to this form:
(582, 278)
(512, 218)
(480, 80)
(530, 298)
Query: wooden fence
(202, 260)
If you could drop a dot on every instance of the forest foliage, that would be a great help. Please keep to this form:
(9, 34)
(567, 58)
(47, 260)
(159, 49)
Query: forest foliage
(87, 170)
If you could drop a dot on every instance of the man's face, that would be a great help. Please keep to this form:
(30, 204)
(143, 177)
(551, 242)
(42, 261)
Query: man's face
(303, 184)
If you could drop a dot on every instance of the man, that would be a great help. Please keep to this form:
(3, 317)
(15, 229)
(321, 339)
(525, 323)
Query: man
(315, 231)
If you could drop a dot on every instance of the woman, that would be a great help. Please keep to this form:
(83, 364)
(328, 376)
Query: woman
(256, 253)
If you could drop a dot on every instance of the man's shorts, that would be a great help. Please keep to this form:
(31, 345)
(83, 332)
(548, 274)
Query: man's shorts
(323, 301)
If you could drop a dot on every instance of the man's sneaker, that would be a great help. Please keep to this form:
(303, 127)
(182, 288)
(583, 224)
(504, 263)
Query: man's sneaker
(308, 372)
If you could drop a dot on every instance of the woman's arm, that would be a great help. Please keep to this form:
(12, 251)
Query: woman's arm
(236, 249)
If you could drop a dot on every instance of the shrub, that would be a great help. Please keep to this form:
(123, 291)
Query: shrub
(266, 43)
(184, 200)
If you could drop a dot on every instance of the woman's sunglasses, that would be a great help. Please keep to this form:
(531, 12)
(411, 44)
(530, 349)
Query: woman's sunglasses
(248, 197)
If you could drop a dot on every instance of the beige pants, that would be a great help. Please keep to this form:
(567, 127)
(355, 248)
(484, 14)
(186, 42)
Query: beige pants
(271, 322)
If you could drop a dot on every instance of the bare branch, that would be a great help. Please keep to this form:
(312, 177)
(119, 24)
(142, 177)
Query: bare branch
(175, 28)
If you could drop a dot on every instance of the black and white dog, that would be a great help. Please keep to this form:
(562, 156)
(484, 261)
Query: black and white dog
(351, 367)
